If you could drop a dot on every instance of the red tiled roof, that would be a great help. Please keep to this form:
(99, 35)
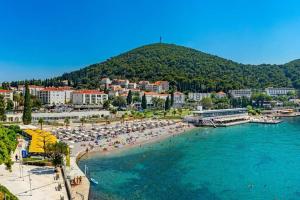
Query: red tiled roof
(49, 89)
(88, 92)
(5, 91)
(155, 94)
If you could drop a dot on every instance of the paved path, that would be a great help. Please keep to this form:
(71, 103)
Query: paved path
(42, 182)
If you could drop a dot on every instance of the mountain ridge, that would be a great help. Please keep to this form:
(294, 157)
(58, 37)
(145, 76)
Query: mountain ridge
(186, 68)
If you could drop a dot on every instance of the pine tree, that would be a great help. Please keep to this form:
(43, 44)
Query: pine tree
(144, 102)
(27, 107)
(167, 103)
(129, 98)
(172, 99)
(2, 109)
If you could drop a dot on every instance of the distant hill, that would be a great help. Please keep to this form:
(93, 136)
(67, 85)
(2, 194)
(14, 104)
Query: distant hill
(187, 69)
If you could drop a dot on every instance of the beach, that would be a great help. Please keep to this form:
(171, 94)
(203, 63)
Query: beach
(113, 138)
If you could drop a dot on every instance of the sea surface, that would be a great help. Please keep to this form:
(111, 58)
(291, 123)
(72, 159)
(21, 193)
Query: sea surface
(250, 161)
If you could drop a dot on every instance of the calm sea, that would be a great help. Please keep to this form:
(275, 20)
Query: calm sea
(250, 161)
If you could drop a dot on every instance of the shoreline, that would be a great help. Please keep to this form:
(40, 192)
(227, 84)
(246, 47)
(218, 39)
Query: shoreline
(98, 150)
(84, 188)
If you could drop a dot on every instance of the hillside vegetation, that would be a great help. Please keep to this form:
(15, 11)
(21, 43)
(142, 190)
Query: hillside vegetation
(187, 69)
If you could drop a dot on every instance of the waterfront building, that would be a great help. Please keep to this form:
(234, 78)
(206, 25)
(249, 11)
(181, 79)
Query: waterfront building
(197, 96)
(241, 93)
(279, 91)
(89, 97)
(151, 95)
(57, 116)
(7, 94)
(179, 99)
(221, 117)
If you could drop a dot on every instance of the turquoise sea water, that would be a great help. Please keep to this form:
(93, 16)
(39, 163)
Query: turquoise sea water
(251, 161)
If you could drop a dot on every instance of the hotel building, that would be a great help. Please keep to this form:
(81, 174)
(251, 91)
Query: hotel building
(278, 91)
(89, 97)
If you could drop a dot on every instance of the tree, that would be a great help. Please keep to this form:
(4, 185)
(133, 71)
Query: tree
(41, 122)
(158, 103)
(106, 117)
(207, 102)
(27, 106)
(119, 102)
(144, 102)
(18, 99)
(172, 98)
(67, 122)
(106, 104)
(167, 103)
(56, 152)
(82, 120)
(129, 98)
(2, 109)
(9, 105)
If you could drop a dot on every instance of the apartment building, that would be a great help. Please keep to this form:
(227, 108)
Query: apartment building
(279, 91)
(179, 99)
(142, 84)
(153, 88)
(89, 97)
(151, 95)
(52, 96)
(164, 85)
(197, 96)
(7, 94)
(241, 93)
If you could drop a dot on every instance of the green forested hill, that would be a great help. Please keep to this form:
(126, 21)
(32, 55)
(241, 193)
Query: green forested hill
(187, 69)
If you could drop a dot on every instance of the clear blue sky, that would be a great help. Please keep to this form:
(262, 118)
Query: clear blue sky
(41, 39)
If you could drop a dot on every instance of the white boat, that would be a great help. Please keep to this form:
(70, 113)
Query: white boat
(94, 181)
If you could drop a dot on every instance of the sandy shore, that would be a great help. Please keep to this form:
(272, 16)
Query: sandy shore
(164, 132)
(142, 138)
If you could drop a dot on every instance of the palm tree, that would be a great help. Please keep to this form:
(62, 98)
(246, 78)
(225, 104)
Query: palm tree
(82, 120)
(41, 122)
(174, 112)
(106, 119)
(180, 111)
(165, 113)
(67, 122)
(123, 118)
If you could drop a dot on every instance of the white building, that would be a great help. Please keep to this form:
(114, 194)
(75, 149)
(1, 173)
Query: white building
(33, 89)
(142, 84)
(105, 81)
(179, 99)
(241, 93)
(132, 86)
(151, 95)
(89, 97)
(52, 96)
(164, 85)
(198, 96)
(153, 88)
(7, 94)
(122, 82)
(278, 91)
(17, 117)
